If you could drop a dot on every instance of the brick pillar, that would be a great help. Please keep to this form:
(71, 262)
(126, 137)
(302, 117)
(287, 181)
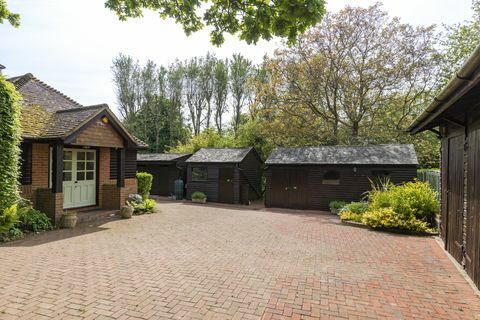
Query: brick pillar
(50, 203)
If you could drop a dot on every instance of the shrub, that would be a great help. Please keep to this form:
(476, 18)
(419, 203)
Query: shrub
(355, 207)
(13, 234)
(30, 219)
(147, 206)
(388, 218)
(8, 218)
(351, 216)
(9, 150)
(198, 195)
(134, 198)
(144, 181)
(410, 200)
(335, 206)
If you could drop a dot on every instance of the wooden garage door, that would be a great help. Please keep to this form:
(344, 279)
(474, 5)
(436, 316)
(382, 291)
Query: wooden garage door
(455, 191)
(289, 188)
(472, 246)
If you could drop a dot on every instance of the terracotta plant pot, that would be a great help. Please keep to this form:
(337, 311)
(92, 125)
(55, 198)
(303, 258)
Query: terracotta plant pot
(126, 212)
(204, 200)
(69, 220)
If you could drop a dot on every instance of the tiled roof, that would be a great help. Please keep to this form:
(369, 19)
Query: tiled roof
(161, 156)
(224, 155)
(47, 113)
(372, 154)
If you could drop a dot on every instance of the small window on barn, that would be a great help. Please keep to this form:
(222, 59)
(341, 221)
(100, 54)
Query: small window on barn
(331, 177)
(199, 174)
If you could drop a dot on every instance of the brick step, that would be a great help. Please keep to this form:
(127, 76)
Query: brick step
(95, 214)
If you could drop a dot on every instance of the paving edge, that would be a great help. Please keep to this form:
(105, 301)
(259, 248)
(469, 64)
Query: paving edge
(457, 265)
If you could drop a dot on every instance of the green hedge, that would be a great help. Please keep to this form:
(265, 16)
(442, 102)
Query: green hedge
(9, 144)
(144, 181)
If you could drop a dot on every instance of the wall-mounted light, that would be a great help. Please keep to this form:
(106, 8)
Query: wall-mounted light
(104, 119)
(354, 169)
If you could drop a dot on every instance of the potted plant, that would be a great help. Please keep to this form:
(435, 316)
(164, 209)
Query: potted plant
(126, 211)
(336, 206)
(69, 219)
(199, 197)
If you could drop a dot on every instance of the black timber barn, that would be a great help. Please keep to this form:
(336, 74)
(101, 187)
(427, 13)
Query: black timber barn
(165, 169)
(312, 177)
(228, 175)
(454, 116)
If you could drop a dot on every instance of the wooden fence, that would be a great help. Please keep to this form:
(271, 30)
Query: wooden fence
(432, 177)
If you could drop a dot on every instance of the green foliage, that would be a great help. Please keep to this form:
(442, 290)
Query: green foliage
(30, 219)
(351, 216)
(209, 138)
(13, 234)
(145, 207)
(355, 207)
(412, 200)
(199, 195)
(335, 206)
(5, 14)
(388, 218)
(8, 218)
(144, 182)
(9, 142)
(252, 19)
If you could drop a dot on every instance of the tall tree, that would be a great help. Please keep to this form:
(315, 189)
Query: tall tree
(252, 19)
(240, 73)
(194, 93)
(220, 88)
(208, 75)
(5, 14)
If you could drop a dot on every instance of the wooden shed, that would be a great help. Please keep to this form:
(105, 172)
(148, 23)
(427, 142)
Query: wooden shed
(229, 175)
(454, 115)
(165, 169)
(312, 177)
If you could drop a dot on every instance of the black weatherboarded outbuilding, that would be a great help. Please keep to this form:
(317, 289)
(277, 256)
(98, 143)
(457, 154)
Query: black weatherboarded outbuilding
(311, 177)
(228, 175)
(165, 169)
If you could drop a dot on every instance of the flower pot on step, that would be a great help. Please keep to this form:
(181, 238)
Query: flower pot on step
(126, 212)
(68, 220)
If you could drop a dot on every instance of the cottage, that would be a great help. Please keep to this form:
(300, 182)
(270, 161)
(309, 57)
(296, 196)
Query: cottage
(312, 177)
(165, 169)
(225, 175)
(454, 116)
(73, 156)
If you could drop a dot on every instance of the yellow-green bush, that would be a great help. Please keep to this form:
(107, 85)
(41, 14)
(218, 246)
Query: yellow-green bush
(8, 218)
(144, 181)
(389, 219)
(351, 216)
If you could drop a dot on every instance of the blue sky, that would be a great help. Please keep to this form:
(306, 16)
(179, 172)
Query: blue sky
(70, 43)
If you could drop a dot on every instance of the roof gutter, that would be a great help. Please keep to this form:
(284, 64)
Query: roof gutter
(460, 83)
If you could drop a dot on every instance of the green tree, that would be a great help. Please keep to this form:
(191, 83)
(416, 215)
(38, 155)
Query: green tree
(5, 14)
(9, 142)
(241, 70)
(251, 19)
(220, 89)
(459, 43)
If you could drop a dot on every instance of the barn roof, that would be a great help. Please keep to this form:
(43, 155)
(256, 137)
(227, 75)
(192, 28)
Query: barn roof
(224, 155)
(161, 156)
(373, 154)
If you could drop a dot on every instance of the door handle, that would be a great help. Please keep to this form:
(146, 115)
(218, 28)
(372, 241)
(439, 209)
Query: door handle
(76, 182)
(286, 188)
(294, 188)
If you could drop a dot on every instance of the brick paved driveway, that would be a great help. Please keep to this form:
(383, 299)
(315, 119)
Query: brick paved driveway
(199, 262)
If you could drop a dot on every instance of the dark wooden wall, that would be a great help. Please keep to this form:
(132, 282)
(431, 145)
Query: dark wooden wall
(313, 194)
(26, 163)
(130, 163)
(166, 172)
(251, 174)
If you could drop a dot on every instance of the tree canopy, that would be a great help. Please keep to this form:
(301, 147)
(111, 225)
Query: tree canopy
(5, 14)
(250, 19)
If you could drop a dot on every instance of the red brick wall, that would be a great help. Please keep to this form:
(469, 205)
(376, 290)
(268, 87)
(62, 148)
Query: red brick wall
(40, 158)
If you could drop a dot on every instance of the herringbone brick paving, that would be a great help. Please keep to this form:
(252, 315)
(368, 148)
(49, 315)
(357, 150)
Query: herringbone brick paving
(203, 262)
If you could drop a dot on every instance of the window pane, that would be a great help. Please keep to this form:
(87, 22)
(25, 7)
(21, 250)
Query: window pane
(67, 176)
(89, 175)
(67, 165)
(80, 176)
(81, 156)
(199, 174)
(90, 165)
(80, 165)
(67, 155)
(90, 156)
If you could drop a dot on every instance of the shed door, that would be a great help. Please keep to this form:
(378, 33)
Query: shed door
(472, 258)
(288, 188)
(455, 192)
(225, 185)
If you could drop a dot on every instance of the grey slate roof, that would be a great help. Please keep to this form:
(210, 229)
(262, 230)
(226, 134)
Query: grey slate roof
(391, 154)
(223, 155)
(47, 113)
(161, 156)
